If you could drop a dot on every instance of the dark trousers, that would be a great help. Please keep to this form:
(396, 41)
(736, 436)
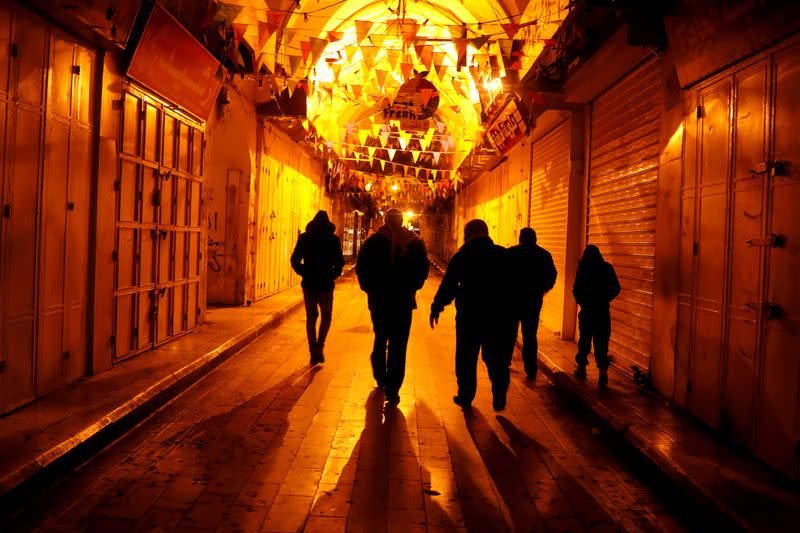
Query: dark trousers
(495, 349)
(529, 320)
(594, 326)
(318, 303)
(392, 327)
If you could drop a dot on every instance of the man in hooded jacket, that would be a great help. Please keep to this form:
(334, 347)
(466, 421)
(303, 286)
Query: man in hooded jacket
(534, 274)
(477, 278)
(596, 285)
(391, 267)
(317, 257)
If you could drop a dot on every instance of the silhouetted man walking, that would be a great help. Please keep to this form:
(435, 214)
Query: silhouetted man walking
(534, 275)
(596, 284)
(391, 267)
(477, 278)
(317, 257)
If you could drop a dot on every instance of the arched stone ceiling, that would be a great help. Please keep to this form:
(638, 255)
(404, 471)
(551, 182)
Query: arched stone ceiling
(352, 57)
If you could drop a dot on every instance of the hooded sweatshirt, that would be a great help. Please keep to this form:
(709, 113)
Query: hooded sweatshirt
(317, 257)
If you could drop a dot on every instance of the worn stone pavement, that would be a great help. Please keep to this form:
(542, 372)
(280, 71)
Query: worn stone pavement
(267, 443)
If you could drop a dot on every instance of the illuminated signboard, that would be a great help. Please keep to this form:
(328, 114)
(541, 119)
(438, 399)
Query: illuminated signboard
(508, 128)
(417, 99)
(170, 61)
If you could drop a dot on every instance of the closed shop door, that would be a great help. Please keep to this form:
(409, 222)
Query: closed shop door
(61, 347)
(22, 166)
(159, 233)
(46, 101)
(263, 240)
(709, 180)
(778, 437)
(738, 334)
(548, 217)
(623, 174)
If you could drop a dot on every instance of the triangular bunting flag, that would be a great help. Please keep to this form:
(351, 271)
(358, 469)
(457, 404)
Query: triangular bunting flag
(288, 35)
(383, 164)
(350, 51)
(369, 53)
(415, 155)
(377, 39)
(461, 51)
(381, 76)
(376, 129)
(479, 42)
(441, 70)
(317, 47)
(393, 55)
(356, 90)
(384, 138)
(410, 29)
(362, 136)
(294, 62)
(405, 138)
(371, 150)
(391, 151)
(336, 69)
(291, 85)
(457, 31)
(362, 29)
(275, 19)
(264, 33)
(426, 96)
(269, 61)
(334, 36)
(429, 136)
(436, 156)
(425, 54)
(510, 29)
(407, 69)
(305, 49)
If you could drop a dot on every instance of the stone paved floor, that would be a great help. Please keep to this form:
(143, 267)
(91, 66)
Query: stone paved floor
(266, 443)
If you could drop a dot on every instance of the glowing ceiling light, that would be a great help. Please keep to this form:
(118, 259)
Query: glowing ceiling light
(409, 214)
(395, 187)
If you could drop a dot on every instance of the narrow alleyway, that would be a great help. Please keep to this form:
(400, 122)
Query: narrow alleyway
(267, 443)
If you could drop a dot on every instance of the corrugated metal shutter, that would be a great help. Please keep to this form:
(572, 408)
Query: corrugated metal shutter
(548, 216)
(623, 176)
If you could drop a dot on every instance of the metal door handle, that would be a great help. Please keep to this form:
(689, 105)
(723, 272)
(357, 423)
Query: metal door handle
(774, 240)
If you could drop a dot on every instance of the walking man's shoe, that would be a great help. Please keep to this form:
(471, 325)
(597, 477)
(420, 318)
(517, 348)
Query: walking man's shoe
(498, 404)
(461, 402)
(580, 372)
(603, 381)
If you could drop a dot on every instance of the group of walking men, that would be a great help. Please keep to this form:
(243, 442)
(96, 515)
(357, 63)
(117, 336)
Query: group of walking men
(495, 289)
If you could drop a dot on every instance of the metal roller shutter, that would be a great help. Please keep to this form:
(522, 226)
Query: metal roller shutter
(548, 216)
(623, 176)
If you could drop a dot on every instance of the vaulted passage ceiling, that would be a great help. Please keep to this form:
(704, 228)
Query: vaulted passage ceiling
(353, 56)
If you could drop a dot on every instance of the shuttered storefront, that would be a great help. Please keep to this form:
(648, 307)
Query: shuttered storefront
(158, 251)
(622, 203)
(288, 196)
(548, 216)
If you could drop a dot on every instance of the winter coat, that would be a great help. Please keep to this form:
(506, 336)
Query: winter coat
(534, 273)
(477, 277)
(391, 267)
(317, 257)
(596, 284)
